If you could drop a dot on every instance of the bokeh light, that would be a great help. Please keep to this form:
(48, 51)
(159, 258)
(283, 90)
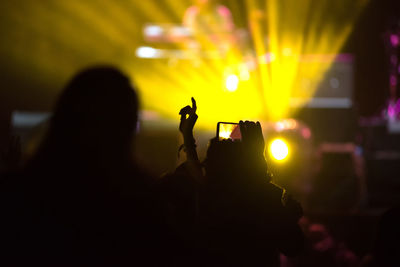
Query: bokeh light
(232, 82)
(279, 149)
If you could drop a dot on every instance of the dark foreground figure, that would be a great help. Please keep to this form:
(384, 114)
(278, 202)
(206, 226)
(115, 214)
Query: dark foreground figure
(387, 244)
(81, 201)
(240, 217)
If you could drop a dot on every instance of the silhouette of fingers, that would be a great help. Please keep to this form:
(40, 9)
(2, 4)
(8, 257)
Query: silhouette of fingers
(243, 130)
(194, 106)
(185, 110)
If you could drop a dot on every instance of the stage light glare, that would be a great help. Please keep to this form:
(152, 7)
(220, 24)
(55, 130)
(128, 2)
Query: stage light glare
(224, 135)
(153, 30)
(279, 149)
(247, 64)
(147, 52)
(232, 82)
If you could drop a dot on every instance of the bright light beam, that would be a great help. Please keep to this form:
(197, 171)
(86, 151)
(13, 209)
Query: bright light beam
(295, 29)
(279, 33)
(279, 149)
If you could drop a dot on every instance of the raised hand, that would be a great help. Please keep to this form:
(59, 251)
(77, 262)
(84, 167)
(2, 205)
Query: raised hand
(188, 119)
(252, 137)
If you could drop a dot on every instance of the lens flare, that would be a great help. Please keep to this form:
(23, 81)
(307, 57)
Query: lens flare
(231, 83)
(279, 149)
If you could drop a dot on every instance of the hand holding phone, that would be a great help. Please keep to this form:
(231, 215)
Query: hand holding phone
(252, 136)
(229, 130)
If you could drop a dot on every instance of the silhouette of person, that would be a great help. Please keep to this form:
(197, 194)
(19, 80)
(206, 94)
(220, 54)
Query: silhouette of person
(83, 201)
(246, 219)
(322, 248)
(242, 219)
(386, 249)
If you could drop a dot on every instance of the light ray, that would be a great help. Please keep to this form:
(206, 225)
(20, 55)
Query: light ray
(55, 38)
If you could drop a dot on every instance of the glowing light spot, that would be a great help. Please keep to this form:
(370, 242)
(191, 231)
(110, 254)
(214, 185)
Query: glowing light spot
(279, 126)
(291, 124)
(180, 31)
(224, 134)
(394, 40)
(306, 133)
(232, 82)
(279, 149)
(287, 124)
(147, 52)
(153, 30)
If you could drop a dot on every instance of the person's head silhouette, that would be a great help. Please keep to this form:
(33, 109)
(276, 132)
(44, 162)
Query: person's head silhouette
(231, 161)
(95, 116)
(91, 203)
(223, 160)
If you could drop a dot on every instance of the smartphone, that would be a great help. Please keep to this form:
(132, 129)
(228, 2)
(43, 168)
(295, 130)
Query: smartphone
(229, 130)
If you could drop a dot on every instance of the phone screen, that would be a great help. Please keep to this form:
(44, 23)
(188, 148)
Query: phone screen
(229, 130)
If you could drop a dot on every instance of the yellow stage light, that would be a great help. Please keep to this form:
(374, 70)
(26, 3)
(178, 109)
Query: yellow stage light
(267, 55)
(232, 82)
(279, 149)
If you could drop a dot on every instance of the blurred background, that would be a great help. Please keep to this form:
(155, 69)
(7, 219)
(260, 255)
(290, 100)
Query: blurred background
(322, 76)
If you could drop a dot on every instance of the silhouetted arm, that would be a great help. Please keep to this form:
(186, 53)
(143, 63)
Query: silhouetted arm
(188, 120)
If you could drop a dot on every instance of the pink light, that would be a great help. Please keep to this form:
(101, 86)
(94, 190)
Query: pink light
(224, 11)
(394, 40)
(391, 111)
(267, 58)
(393, 80)
(306, 133)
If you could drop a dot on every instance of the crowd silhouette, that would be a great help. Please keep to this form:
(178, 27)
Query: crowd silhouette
(82, 200)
